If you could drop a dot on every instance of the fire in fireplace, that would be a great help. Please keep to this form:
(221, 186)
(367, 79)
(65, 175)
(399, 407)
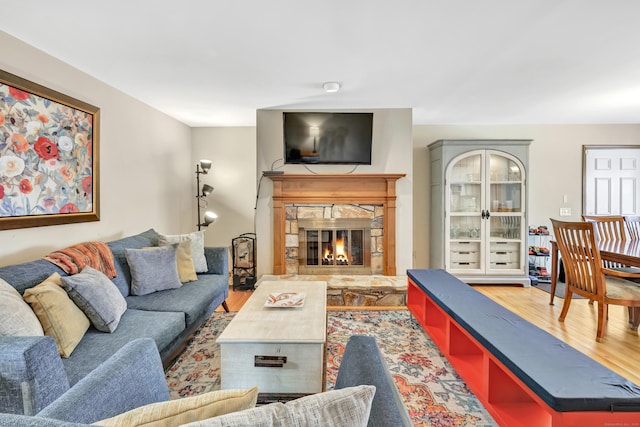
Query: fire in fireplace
(334, 246)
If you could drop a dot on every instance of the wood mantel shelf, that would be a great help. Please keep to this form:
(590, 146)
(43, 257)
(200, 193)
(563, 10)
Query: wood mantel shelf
(374, 189)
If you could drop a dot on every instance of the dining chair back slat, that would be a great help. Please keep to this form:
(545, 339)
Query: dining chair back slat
(608, 227)
(633, 226)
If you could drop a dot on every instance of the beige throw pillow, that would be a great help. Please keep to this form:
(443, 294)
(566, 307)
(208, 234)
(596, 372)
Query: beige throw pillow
(349, 406)
(186, 410)
(59, 316)
(17, 318)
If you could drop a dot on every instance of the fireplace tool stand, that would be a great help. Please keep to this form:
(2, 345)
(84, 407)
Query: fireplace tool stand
(244, 261)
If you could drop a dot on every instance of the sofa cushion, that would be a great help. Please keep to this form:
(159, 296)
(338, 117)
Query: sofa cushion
(153, 269)
(197, 247)
(96, 346)
(17, 317)
(194, 298)
(186, 410)
(59, 316)
(346, 407)
(29, 274)
(97, 297)
(138, 241)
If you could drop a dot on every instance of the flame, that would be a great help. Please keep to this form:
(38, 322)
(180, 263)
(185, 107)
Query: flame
(340, 252)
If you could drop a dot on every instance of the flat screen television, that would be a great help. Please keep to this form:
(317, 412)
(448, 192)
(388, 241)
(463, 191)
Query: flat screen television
(328, 138)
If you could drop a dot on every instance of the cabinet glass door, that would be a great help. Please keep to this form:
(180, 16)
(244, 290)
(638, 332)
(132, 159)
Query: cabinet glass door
(505, 208)
(465, 202)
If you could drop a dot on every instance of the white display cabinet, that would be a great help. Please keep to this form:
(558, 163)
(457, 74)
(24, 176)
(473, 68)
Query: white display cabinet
(478, 210)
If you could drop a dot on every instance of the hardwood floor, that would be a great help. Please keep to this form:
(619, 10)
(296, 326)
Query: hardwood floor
(620, 350)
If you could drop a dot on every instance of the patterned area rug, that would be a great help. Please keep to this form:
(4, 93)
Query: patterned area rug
(432, 391)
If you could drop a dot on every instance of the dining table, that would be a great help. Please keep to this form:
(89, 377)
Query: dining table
(625, 252)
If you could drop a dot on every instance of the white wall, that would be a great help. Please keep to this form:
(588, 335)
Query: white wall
(555, 167)
(233, 152)
(145, 171)
(392, 153)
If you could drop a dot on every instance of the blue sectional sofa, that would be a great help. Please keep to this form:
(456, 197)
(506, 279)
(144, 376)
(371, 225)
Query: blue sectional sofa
(134, 377)
(169, 317)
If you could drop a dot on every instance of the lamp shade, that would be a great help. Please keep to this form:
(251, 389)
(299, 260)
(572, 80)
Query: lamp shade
(205, 165)
(209, 217)
(206, 190)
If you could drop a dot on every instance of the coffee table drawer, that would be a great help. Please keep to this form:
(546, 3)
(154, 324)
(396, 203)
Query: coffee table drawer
(303, 371)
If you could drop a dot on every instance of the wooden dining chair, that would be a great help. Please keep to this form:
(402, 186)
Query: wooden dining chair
(608, 227)
(612, 227)
(586, 276)
(633, 226)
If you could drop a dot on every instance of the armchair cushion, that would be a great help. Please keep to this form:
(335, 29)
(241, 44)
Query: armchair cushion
(130, 378)
(186, 410)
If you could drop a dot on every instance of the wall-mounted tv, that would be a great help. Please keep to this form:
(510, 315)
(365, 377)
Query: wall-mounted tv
(328, 138)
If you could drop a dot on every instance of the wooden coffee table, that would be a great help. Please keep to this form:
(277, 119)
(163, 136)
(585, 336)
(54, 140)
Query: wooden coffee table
(280, 350)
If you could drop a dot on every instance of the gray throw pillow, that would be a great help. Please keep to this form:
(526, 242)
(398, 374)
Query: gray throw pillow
(153, 270)
(345, 407)
(96, 295)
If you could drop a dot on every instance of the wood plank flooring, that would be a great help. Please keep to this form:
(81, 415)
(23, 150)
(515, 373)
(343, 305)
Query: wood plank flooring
(620, 350)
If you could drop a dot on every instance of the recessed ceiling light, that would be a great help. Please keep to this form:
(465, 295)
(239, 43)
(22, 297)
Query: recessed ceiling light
(331, 86)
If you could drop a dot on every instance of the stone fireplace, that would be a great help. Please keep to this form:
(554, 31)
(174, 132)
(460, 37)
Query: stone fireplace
(367, 202)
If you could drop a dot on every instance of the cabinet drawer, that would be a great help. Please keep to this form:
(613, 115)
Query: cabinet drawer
(504, 265)
(465, 246)
(504, 256)
(244, 365)
(465, 265)
(499, 246)
(465, 256)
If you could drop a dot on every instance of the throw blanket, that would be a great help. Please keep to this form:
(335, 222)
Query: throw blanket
(74, 258)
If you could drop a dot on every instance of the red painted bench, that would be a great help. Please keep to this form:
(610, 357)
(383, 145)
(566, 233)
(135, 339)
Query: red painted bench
(523, 375)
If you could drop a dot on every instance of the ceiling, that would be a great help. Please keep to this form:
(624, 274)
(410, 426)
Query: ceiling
(214, 63)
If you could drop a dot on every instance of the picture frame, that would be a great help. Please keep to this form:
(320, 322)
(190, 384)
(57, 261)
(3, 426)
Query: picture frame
(49, 156)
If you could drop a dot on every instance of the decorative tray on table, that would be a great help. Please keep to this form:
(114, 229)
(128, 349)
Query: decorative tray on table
(285, 299)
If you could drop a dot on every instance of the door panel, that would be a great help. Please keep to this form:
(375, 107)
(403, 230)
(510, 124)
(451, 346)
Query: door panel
(610, 177)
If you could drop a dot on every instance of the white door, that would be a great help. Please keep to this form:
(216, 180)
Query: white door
(610, 180)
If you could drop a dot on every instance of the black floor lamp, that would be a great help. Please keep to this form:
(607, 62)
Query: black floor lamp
(201, 195)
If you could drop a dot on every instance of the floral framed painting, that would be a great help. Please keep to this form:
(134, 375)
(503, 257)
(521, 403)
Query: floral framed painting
(49, 150)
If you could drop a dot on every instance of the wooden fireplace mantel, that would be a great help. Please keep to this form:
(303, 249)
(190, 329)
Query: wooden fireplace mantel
(373, 189)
